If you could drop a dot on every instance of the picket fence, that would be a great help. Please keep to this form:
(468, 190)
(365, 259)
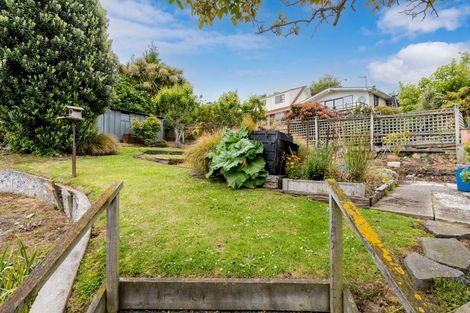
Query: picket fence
(432, 131)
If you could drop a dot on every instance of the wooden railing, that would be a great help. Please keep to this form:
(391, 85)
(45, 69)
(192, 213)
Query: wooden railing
(25, 293)
(391, 270)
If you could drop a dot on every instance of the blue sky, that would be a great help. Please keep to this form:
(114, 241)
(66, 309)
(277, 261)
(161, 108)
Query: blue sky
(385, 46)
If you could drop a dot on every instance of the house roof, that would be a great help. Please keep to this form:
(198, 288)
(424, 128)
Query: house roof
(281, 92)
(371, 90)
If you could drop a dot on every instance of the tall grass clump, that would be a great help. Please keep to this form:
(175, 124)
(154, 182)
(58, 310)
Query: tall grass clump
(15, 266)
(196, 155)
(320, 162)
(98, 144)
(357, 157)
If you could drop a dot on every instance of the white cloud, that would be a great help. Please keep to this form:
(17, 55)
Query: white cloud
(415, 61)
(394, 21)
(133, 24)
(140, 11)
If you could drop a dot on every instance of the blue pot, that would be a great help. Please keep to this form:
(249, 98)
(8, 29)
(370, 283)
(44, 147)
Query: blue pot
(461, 185)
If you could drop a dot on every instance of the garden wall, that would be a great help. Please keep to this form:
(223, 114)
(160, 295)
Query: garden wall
(54, 294)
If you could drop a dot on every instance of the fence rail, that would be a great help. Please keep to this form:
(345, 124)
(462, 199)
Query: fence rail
(24, 294)
(425, 129)
(390, 268)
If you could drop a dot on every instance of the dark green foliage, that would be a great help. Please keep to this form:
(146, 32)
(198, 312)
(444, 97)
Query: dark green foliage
(325, 82)
(53, 53)
(147, 130)
(239, 160)
(131, 96)
(357, 156)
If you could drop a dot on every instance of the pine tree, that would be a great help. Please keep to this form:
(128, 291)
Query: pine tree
(53, 53)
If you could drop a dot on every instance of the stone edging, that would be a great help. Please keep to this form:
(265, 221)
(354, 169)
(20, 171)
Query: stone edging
(54, 294)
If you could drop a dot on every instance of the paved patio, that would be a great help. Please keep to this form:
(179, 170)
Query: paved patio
(439, 201)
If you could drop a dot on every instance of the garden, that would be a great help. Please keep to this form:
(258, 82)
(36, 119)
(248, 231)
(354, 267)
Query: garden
(233, 203)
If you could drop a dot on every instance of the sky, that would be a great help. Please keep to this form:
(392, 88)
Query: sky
(386, 46)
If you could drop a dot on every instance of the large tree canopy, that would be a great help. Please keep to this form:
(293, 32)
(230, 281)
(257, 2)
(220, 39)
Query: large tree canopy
(54, 53)
(314, 11)
(141, 79)
(326, 81)
(446, 87)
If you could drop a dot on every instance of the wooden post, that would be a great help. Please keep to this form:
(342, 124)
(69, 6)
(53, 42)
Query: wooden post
(336, 258)
(457, 125)
(74, 152)
(317, 133)
(112, 257)
(371, 131)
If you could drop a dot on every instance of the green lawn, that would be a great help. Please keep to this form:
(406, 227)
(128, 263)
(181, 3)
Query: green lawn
(173, 224)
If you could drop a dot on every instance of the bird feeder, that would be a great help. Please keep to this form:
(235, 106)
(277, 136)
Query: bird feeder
(73, 114)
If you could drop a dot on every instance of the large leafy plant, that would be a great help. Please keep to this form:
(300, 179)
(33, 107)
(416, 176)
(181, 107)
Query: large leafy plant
(239, 160)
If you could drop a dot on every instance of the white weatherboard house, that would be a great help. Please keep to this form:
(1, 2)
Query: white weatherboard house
(343, 98)
(279, 103)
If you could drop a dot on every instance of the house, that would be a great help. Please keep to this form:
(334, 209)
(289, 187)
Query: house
(118, 123)
(279, 103)
(343, 98)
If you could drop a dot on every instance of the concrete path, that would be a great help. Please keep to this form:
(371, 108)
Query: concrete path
(428, 200)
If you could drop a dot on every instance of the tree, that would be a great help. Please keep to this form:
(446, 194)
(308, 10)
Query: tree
(327, 81)
(54, 53)
(228, 112)
(255, 108)
(179, 105)
(439, 89)
(150, 73)
(311, 12)
(408, 97)
(131, 96)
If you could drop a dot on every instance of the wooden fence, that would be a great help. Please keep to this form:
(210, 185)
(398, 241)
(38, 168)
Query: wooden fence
(429, 130)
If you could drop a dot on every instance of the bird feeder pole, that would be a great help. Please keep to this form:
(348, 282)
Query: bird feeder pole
(74, 115)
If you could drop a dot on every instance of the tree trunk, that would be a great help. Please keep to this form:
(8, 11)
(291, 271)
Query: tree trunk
(179, 130)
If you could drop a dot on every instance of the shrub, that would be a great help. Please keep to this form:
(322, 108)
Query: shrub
(98, 144)
(15, 266)
(357, 157)
(249, 123)
(196, 155)
(319, 163)
(394, 142)
(239, 160)
(386, 110)
(308, 110)
(146, 130)
(53, 53)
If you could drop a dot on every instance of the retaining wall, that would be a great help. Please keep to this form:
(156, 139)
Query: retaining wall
(54, 294)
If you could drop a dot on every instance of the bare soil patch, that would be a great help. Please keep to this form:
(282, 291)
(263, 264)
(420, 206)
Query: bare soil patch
(37, 223)
(434, 167)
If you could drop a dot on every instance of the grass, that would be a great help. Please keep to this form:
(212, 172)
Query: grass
(173, 224)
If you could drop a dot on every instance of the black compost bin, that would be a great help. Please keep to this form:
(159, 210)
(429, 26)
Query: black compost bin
(276, 145)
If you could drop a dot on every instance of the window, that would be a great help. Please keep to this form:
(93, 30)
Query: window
(279, 98)
(376, 100)
(279, 116)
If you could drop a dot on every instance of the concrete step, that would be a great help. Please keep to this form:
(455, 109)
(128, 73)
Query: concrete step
(424, 270)
(450, 252)
(448, 230)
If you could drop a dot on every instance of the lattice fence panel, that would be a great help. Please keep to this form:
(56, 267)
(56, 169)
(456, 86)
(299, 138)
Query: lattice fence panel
(344, 129)
(427, 128)
(430, 127)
